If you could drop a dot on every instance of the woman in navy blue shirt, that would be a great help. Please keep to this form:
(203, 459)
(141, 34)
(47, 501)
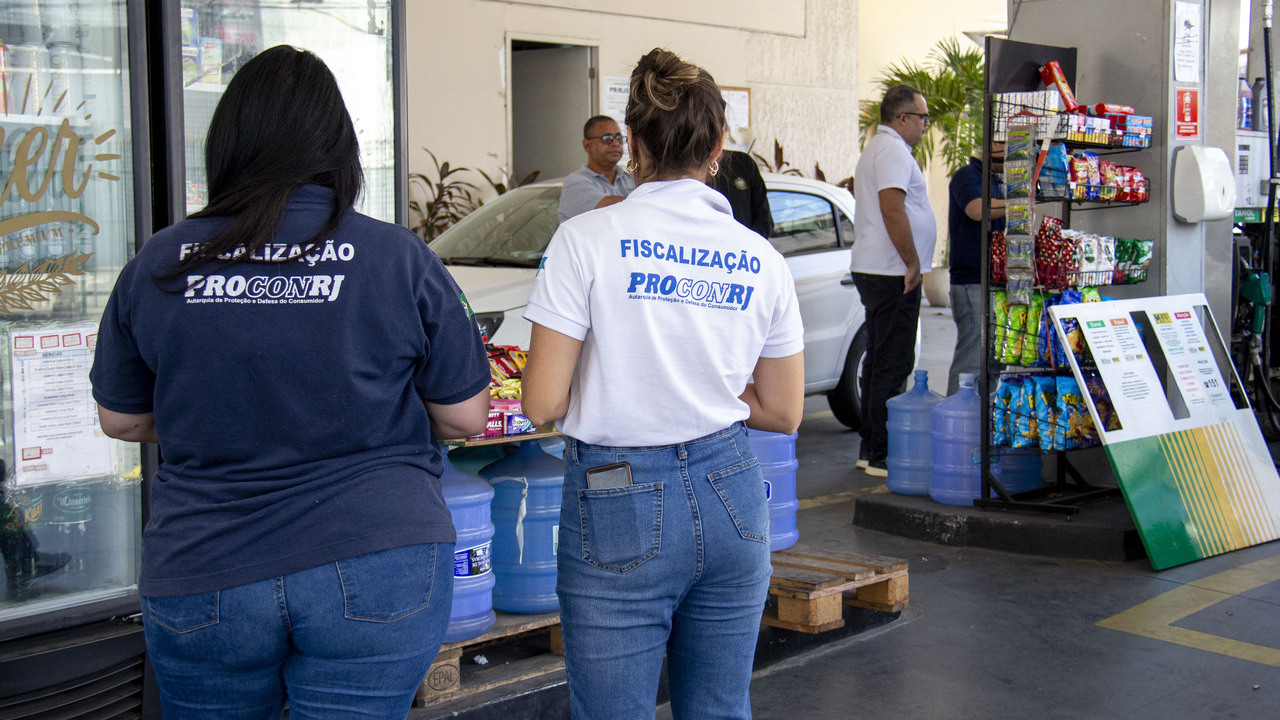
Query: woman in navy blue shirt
(296, 361)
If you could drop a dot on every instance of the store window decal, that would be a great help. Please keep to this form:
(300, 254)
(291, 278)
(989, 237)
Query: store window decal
(40, 278)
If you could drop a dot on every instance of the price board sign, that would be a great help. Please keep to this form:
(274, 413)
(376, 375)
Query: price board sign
(1181, 437)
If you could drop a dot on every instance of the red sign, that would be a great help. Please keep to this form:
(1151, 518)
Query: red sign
(1187, 112)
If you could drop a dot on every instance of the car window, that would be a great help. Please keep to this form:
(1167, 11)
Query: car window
(846, 228)
(511, 230)
(802, 222)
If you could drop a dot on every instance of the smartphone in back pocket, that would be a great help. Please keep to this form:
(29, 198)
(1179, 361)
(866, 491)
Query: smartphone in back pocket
(609, 476)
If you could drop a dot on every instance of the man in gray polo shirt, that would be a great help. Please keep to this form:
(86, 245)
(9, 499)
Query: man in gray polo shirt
(600, 182)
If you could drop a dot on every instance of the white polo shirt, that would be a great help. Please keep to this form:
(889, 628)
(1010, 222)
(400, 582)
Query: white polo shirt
(674, 302)
(886, 162)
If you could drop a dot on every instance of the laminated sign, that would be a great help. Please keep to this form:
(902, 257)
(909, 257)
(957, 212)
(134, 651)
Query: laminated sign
(1183, 441)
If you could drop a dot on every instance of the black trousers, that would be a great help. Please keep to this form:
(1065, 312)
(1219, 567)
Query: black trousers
(891, 322)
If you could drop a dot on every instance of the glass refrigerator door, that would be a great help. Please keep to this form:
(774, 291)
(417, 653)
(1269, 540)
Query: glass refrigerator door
(353, 37)
(70, 521)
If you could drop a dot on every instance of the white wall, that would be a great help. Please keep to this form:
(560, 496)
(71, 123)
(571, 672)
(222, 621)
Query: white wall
(798, 57)
(807, 63)
(910, 30)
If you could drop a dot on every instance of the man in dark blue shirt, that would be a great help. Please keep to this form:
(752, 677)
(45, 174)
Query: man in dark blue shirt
(964, 223)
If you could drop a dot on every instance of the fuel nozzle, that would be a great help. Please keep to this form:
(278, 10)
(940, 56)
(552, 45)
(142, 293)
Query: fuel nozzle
(1256, 289)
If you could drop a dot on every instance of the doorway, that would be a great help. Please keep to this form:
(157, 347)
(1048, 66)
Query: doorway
(553, 92)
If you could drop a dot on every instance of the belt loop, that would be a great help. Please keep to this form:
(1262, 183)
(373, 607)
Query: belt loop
(570, 450)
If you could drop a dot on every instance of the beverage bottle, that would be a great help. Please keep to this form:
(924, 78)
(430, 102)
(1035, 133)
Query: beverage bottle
(69, 518)
(28, 64)
(1259, 91)
(1244, 106)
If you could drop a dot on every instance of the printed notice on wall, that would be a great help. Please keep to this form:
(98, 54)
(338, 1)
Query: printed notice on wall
(616, 91)
(55, 420)
(1186, 42)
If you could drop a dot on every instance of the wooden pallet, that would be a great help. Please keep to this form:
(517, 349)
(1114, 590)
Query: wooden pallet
(451, 677)
(811, 586)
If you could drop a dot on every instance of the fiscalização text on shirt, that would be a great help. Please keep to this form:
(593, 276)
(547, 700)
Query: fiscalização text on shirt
(695, 291)
(271, 289)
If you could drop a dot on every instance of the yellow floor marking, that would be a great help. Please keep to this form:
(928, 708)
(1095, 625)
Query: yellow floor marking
(832, 499)
(840, 497)
(815, 416)
(1155, 617)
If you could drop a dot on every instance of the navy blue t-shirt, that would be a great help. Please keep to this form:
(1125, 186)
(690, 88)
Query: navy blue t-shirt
(966, 234)
(288, 397)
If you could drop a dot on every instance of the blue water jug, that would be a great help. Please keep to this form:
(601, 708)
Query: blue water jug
(527, 486)
(956, 436)
(777, 455)
(468, 498)
(910, 425)
(1018, 471)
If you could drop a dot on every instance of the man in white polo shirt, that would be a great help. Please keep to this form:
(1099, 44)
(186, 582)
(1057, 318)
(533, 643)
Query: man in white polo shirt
(894, 235)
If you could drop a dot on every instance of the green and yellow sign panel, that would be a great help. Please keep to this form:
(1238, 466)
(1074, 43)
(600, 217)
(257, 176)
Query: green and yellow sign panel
(1186, 449)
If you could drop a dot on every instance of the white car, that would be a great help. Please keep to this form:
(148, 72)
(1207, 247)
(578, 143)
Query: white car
(494, 253)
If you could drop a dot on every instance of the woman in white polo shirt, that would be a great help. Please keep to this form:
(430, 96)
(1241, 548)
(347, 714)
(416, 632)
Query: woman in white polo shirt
(661, 327)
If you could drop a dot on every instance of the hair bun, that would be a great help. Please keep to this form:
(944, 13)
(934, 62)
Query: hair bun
(664, 77)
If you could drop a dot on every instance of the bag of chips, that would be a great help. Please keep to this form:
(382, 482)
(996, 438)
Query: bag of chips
(1046, 409)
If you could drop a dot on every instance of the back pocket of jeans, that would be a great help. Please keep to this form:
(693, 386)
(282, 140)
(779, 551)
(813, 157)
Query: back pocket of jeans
(741, 489)
(388, 585)
(621, 527)
(183, 613)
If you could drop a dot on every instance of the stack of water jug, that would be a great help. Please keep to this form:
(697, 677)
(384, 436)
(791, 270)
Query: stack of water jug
(935, 446)
(508, 520)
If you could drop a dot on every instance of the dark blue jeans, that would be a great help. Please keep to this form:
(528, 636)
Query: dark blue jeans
(891, 322)
(676, 564)
(350, 639)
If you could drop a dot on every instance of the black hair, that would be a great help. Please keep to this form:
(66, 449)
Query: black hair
(675, 113)
(591, 123)
(897, 100)
(281, 124)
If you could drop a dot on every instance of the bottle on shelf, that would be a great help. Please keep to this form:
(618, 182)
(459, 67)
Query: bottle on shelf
(1244, 106)
(68, 517)
(1259, 91)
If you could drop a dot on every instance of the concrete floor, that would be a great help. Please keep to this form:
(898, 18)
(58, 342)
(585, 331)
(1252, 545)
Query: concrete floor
(991, 634)
(994, 634)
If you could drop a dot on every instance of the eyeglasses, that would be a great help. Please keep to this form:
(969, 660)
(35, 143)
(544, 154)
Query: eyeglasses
(922, 116)
(610, 138)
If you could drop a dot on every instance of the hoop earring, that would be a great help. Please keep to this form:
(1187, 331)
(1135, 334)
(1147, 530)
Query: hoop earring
(631, 166)
(714, 168)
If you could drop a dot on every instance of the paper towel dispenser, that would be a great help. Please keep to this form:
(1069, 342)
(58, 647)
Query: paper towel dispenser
(1204, 187)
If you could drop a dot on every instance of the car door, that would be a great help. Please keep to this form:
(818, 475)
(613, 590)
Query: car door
(806, 230)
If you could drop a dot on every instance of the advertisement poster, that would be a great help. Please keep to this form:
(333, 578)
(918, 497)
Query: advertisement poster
(1189, 456)
(55, 435)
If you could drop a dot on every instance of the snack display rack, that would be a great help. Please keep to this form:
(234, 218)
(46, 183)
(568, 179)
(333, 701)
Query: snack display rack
(1037, 405)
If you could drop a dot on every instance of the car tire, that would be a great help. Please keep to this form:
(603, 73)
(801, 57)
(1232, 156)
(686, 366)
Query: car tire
(845, 399)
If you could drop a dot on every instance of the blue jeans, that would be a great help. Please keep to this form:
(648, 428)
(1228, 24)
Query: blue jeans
(966, 311)
(675, 564)
(350, 639)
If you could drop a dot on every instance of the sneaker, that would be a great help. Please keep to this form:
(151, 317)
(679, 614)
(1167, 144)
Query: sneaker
(877, 468)
(863, 459)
